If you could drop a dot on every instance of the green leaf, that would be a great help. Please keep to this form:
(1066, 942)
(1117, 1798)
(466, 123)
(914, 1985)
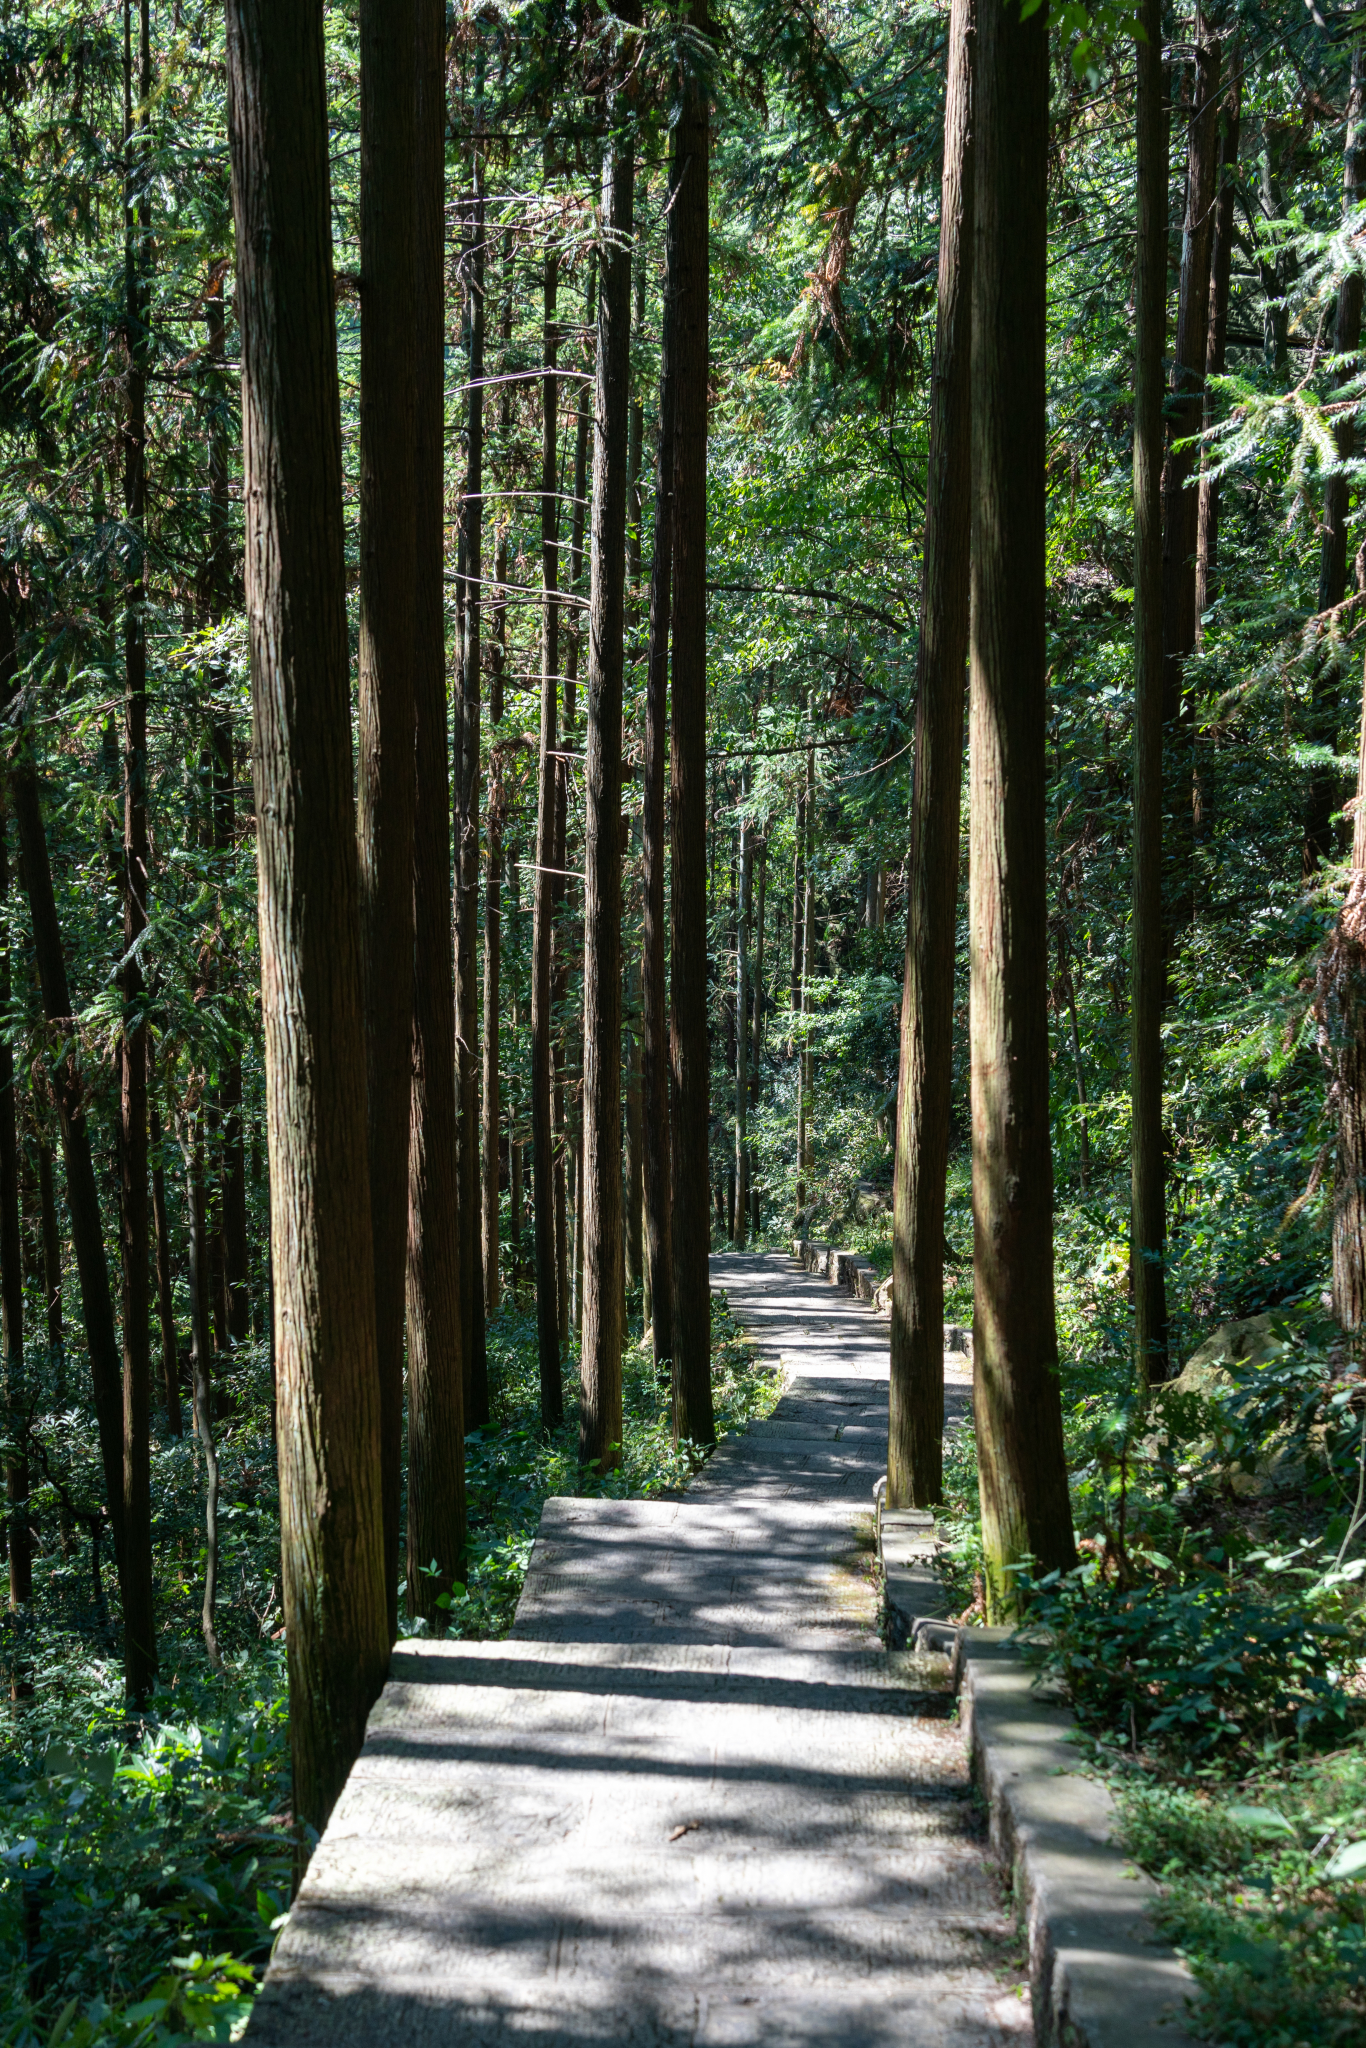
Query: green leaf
(1350, 1861)
(1262, 1820)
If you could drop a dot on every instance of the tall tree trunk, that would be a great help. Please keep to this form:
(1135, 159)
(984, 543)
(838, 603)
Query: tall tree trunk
(740, 1227)
(1221, 262)
(223, 771)
(1021, 1466)
(12, 1286)
(170, 1357)
(135, 1550)
(687, 278)
(332, 1545)
(915, 1471)
(805, 1152)
(491, 1105)
(1324, 795)
(600, 1354)
(201, 1354)
(656, 1165)
(467, 801)
(83, 1205)
(1148, 1224)
(387, 758)
(1341, 1002)
(52, 1265)
(756, 1053)
(436, 1434)
(1180, 504)
(544, 888)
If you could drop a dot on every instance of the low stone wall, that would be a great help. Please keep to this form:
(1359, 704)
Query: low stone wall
(859, 1277)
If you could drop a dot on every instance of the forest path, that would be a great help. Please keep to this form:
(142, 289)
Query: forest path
(690, 1801)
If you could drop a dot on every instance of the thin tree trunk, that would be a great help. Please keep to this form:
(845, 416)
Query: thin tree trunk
(436, 1434)
(601, 1231)
(544, 891)
(915, 1429)
(633, 1170)
(170, 1357)
(1148, 1224)
(687, 280)
(656, 1165)
(387, 758)
(135, 1548)
(1324, 795)
(12, 1286)
(1341, 1002)
(332, 1544)
(52, 1268)
(756, 1054)
(83, 1205)
(491, 1104)
(1184, 412)
(1221, 262)
(467, 805)
(201, 1353)
(805, 1148)
(740, 1230)
(1021, 1465)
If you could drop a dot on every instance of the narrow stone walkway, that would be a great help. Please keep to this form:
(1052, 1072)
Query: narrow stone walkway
(690, 1801)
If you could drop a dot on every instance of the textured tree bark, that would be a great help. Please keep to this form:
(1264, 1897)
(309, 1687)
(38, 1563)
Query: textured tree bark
(170, 1357)
(656, 1164)
(543, 892)
(1148, 1216)
(1324, 795)
(491, 1102)
(601, 1229)
(1221, 260)
(687, 281)
(83, 1204)
(1341, 1003)
(805, 1153)
(387, 757)
(436, 1434)
(12, 1286)
(332, 1548)
(1021, 1466)
(467, 808)
(915, 1429)
(135, 1549)
(1184, 412)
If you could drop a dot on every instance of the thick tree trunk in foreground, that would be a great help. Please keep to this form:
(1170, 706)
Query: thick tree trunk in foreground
(135, 1551)
(12, 1286)
(543, 889)
(436, 1435)
(1022, 1472)
(1148, 1223)
(600, 1236)
(687, 280)
(467, 818)
(1180, 504)
(387, 595)
(920, 1156)
(332, 1548)
(654, 996)
(83, 1205)
(1324, 794)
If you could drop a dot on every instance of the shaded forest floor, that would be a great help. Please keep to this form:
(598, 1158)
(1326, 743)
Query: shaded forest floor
(147, 1864)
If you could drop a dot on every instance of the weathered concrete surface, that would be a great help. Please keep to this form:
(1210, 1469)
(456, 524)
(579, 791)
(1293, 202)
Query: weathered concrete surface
(689, 1801)
(1100, 1978)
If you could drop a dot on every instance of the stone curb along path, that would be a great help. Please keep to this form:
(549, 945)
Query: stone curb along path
(691, 1802)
